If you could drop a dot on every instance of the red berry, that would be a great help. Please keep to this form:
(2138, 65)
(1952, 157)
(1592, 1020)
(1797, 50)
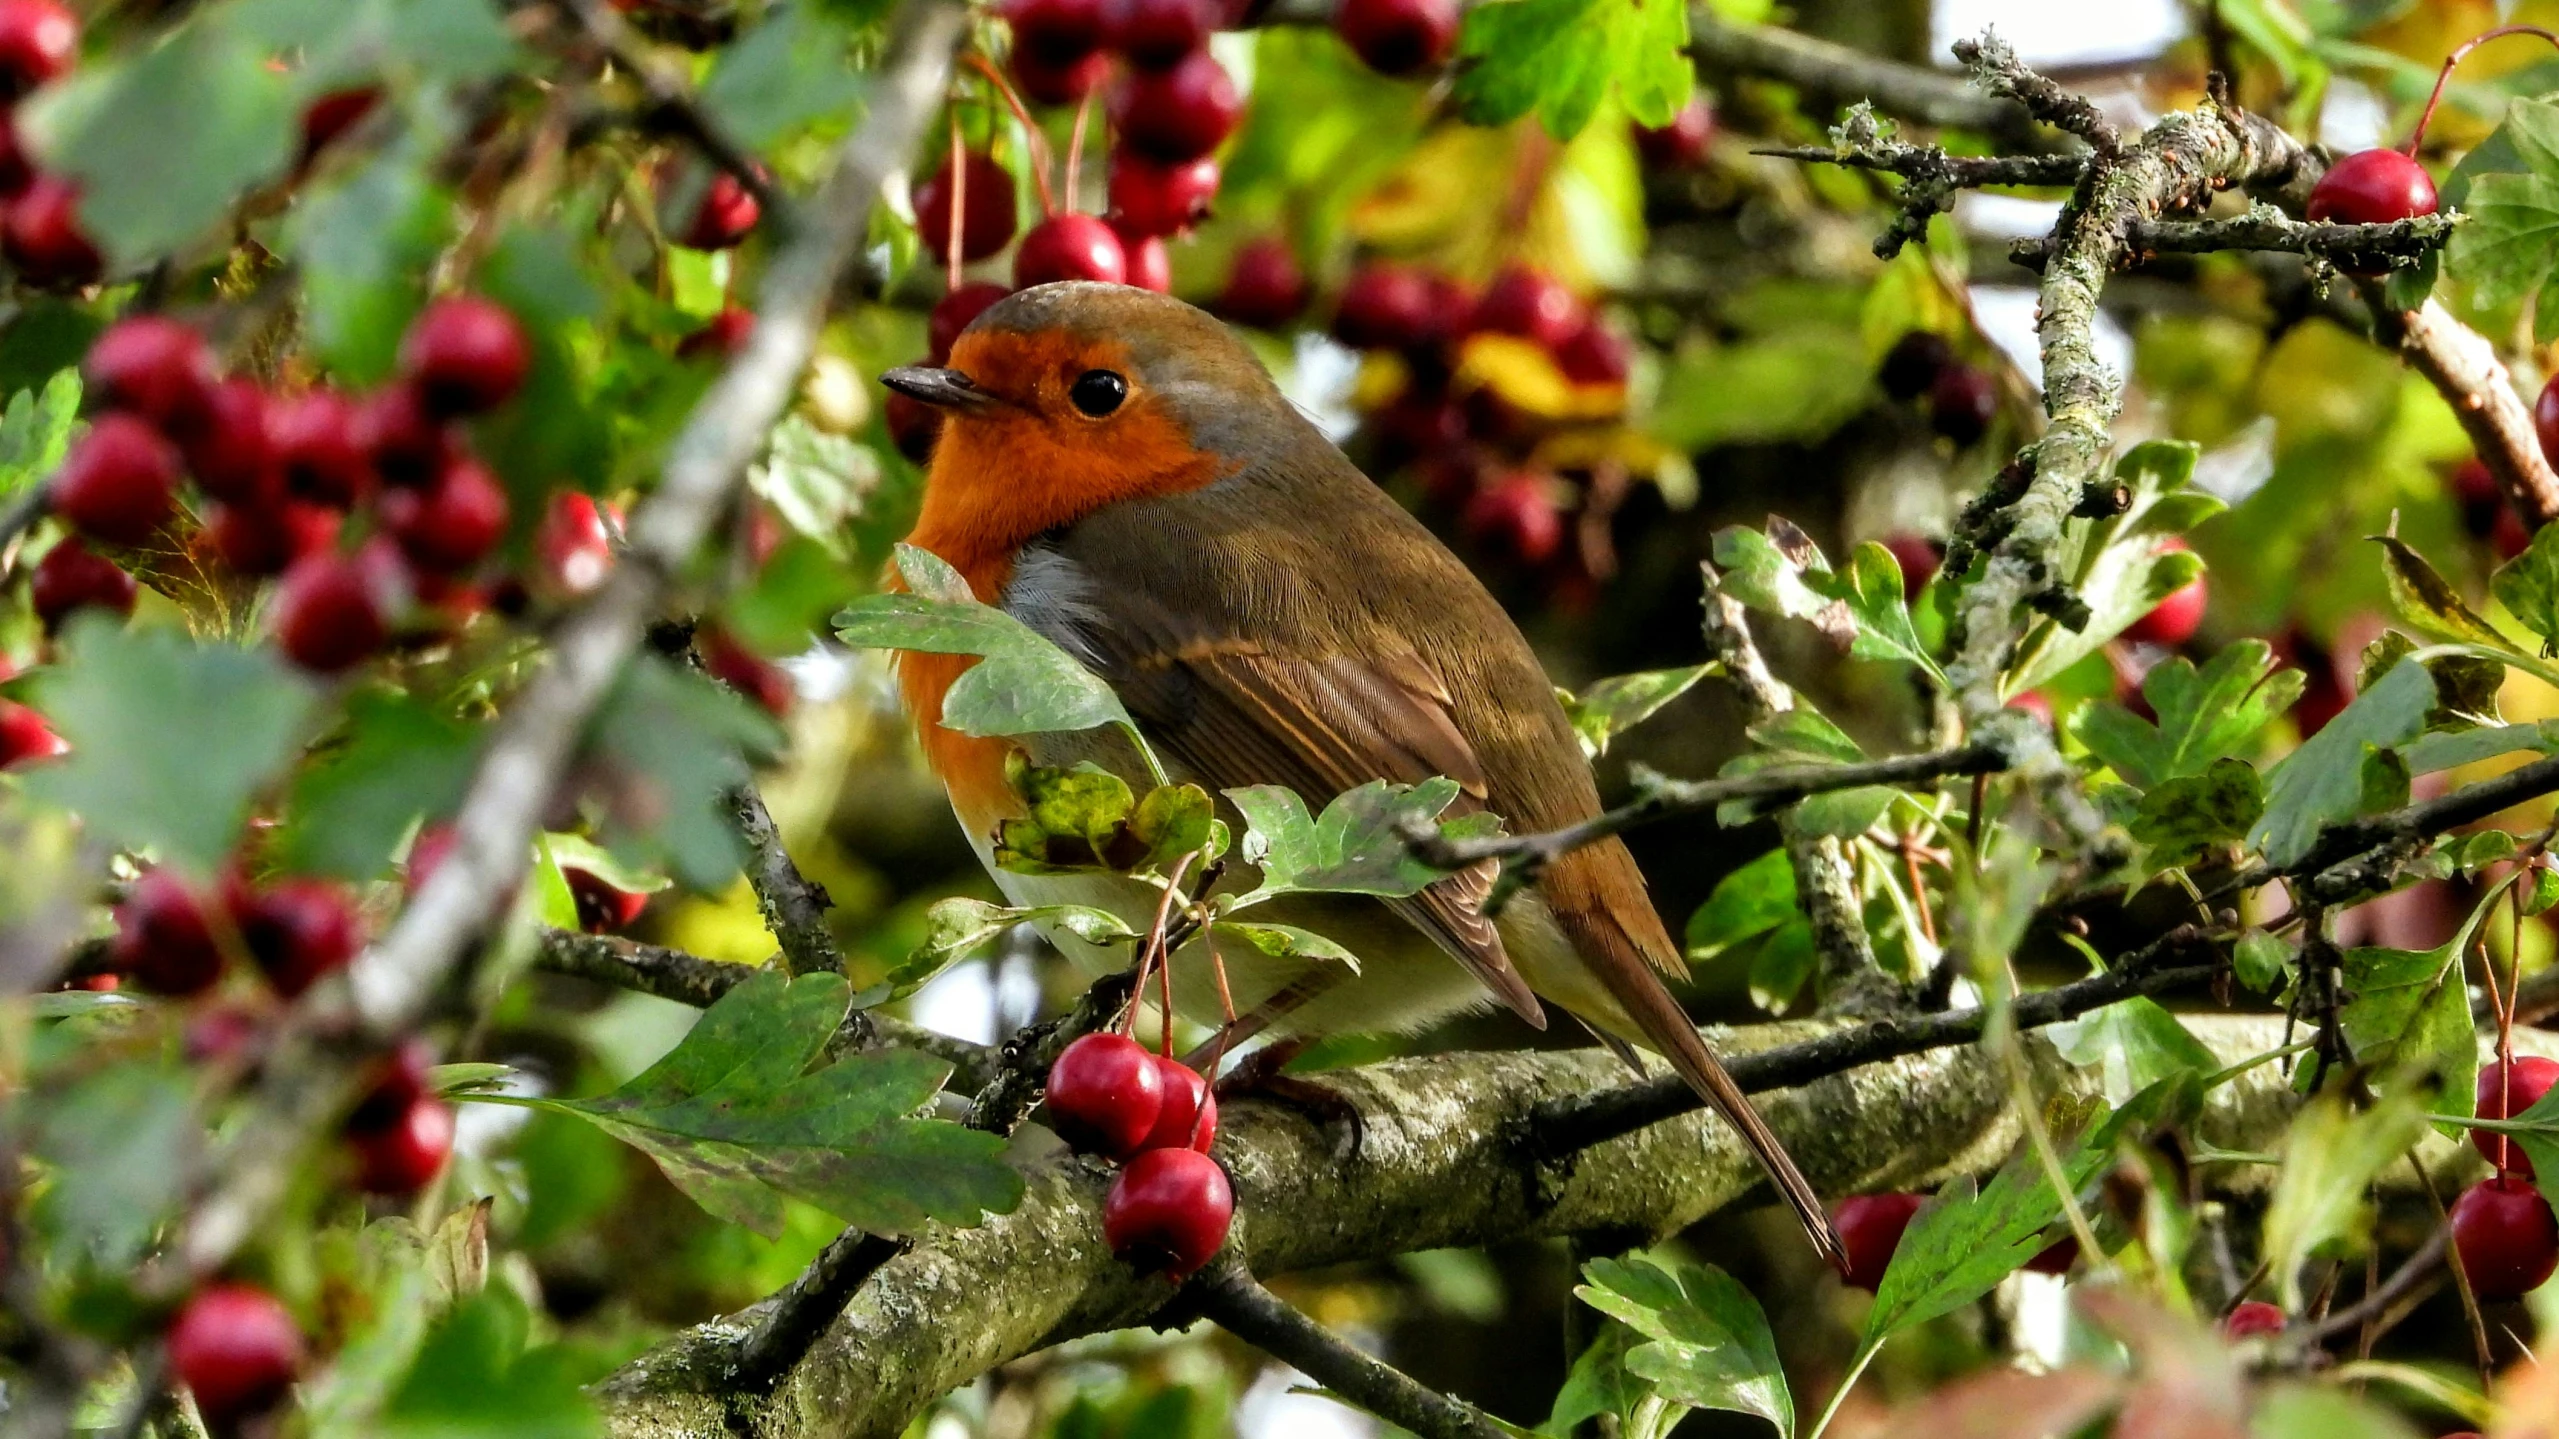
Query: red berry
(726, 216)
(1527, 303)
(955, 312)
(2056, 1257)
(1264, 287)
(1518, 513)
(1157, 33)
(433, 843)
(2251, 1318)
(16, 170)
(1104, 1095)
(329, 613)
(120, 481)
(230, 454)
(2509, 536)
(2476, 490)
(1048, 80)
(575, 546)
(1961, 403)
(1168, 1211)
(912, 426)
(401, 437)
(1153, 198)
(72, 576)
(267, 539)
(1397, 37)
(1870, 1228)
(1424, 426)
(1389, 307)
(2174, 620)
(1178, 113)
(164, 938)
(41, 235)
(2033, 702)
(399, 1082)
(602, 909)
(298, 930)
(2501, 1098)
(1188, 1119)
(2323, 693)
(2506, 1237)
(1070, 247)
(724, 335)
(465, 355)
(1150, 265)
(1593, 355)
(986, 214)
(1060, 30)
(220, 1034)
(745, 671)
(315, 445)
(38, 41)
(155, 368)
(2545, 419)
(451, 525)
(1918, 555)
(236, 1350)
(333, 114)
(2372, 187)
(405, 1157)
(1681, 144)
(1912, 365)
(25, 738)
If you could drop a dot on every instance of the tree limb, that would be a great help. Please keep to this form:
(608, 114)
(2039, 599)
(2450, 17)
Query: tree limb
(1229, 1294)
(794, 906)
(2397, 245)
(1839, 73)
(2460, 363)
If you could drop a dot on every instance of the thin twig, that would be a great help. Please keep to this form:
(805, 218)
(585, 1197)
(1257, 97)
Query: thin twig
(1230, 1295)
(792, 1320)
(672, 107)
(2400, 244)
(2413, 1272)
(794, 905)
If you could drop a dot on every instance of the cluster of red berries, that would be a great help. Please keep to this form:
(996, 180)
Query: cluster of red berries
(1169, 1208)
(39, 213)
(2502, 1228)
(1870, 1228)
(1961, 399)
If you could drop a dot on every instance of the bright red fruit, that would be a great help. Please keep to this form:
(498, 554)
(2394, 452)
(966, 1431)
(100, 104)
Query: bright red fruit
(25, 738)
(1870, 1228)
(155, 368)
(120, 481)
(1051, 80)
(329, 614)
(404, 440)
(986, 209)
(41, 235)
(1593, 355)
(164, 938)
(38, 40)
(726, 216)
(1157, 33)
(230, 454)
(602, 909)
(2174, 620)
(2545, 420)
(298, 930)
(466, 355)
(955, 312)
(333, 114)
(236, 1350)
(16, 170)
(267, 539)
(745, 671)
(1918, 556)
(724, 335)
(2372, 187)
(1168, 1211)
(315, 445)
(1188, 1119)
(404, 1157)
(2033, 702)
(1178, 113)
(1061, 30)
(1104, 1095)
(1518, 513)
(1389, 307)
(1397, 37)
(1070, 247)
(1961, 403)
(2506, 1237)
(1149, 197)
(1530, 304)
(399, 1082)
(2503, 1098)
(1150, 264)
(575, 546)
(72, 576)
(1682, 143)
(2056, 1257)
(1264, 287)
(2252, 1317)
(451, 525)
(220, 1034)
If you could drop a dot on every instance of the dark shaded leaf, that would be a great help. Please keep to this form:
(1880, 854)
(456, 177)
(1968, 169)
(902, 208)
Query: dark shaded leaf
(2183, 819)
(2203, 715)
(2321, 783)
(400, 762)
(1744, 904)
(2260, 960)
(679, 743)
(2426, 600)
(786, 73)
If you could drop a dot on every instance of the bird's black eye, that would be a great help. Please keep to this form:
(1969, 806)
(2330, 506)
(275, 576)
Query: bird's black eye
(1098, 392)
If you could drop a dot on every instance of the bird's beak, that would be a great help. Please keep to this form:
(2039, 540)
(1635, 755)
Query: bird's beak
(942, 389)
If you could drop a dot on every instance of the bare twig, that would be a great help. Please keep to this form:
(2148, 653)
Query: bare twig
(794, 905)
(1995, 68)
(1230, 1295)
(2398, 245)
(2464, 368)
(2413, 1273)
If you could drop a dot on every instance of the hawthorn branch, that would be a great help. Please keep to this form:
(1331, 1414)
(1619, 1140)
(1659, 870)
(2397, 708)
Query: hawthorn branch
(671, 107)
(799, 1315)
(2463, 366)
(1836, 72)
(2401, 244)
(794, 906)
(1229, 1294)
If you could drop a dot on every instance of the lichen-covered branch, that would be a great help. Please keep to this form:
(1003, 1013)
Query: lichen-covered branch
(1835, 72)
(2460, 363)
(1229, 1295)
(1931, 177)
(2355, 248)
(794, 906)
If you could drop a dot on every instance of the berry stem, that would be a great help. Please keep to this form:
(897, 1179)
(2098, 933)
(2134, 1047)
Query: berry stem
(1038, 143)
(959, 205)
(2459, 53)
(1075, 147)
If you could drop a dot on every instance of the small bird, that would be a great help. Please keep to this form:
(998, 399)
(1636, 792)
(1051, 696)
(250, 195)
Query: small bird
(1118, 472)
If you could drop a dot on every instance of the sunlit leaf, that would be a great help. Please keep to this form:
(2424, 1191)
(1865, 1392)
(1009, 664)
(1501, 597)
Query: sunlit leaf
(2202, 715)
(1355, 846)
(1610, 707)
(1708, 1343)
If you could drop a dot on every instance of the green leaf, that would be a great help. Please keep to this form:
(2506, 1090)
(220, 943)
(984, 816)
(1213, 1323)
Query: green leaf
(956, 928)
(1073, 819)
(2426, 600)
(2407, 1016)
(1612, 706)
(350, 40)
(1709, 1345)
(1804, 736)
(2441, 750)
(1798, 384)
(1561, 58)
(2505, 250)
(1777, 571)
(400, 762)
(2321, 783)
(678, 743)
(2528, 586)
(735, 1117)
(2260, 960)
(2544, 891)
(1598, 1384)
(2332, 1154)
(782, 75)
(365, 242)
(2203, 715)
(1871, 588)
(1021, 684)
(1744, 904)
(35, 430)
(1355, 847)
(477, 1376)
(2540, 1141)
(2132, 1044)
(149, 765)
(164, 137)
(2123, 566)
(117, 1145)
(817, 482)
(2184, 819)
(1783, 965)
(1285, 941)
(554, 430)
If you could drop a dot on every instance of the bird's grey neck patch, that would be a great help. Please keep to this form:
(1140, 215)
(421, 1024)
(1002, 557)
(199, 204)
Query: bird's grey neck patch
(1058, 598)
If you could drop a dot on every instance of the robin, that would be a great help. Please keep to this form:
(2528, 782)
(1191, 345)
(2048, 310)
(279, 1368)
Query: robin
(1118, 472)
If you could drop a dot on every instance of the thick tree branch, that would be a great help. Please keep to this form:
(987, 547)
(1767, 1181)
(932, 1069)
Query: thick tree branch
(795, 1318)
(1229, 1294)
(2460, 363)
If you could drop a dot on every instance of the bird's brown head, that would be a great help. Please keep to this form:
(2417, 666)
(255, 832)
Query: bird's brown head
(1062, 399)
